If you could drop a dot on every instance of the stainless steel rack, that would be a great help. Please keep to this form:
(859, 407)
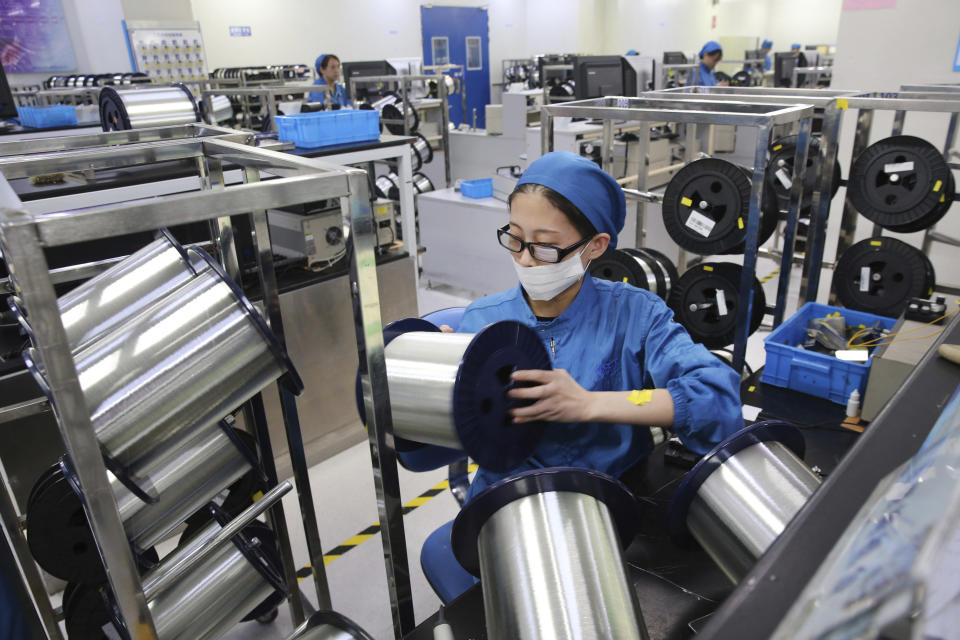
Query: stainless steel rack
(696, 112)
(24, 236)
(267, 92)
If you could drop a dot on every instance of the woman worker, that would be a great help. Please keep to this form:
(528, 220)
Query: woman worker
(621, 364)
(766, 46)
(710, 54)
(328, 72)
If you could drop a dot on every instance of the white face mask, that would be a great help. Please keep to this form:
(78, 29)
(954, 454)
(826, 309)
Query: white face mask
(546, 281)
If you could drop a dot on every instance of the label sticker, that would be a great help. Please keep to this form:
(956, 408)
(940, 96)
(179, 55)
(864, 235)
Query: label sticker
(937, 186)
(784, 178)
(686, 202)
(309, 245)
(700, 223)
(898, 167)
(722, 303)
(740, 223)
(842, 104)
(864, 278)
(876, 243)
(625, 278)
(707, 267)
(778, 147)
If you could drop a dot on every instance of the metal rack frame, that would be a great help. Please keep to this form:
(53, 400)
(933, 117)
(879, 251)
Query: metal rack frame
(268, 92)
(547, 98)
(665, 70)
(403, 82)
(822, 99)
(939, 100)
(762, 116)
(24, 236)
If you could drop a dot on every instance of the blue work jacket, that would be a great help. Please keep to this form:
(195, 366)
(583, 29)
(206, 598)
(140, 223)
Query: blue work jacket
(767, 62)
(616, 337)
(707, 77)
(339, 94)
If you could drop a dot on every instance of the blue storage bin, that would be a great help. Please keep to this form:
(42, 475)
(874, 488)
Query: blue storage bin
(482, 188)
(58, 115)
(325, 128)
(819, 374)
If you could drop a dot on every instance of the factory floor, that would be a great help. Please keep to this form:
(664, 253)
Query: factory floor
(346, 505)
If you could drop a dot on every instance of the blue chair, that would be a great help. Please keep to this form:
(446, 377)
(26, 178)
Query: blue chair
(440, 567)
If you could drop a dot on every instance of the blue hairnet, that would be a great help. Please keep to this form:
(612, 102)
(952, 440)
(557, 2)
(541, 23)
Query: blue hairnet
(319, 62)
(796, 45)
(766, 44)
(710, 47)
(591, 189)
(632, 52)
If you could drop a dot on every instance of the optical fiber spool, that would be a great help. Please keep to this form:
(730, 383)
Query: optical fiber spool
(452, 83)
(706, 207)
(635, 267)
(177, 367)
(705, 301)
(329, 625)
(238, 581)
(779, 176)
(422, 152)
(122, 109)
(422, 184)
(548, 546)
(222, 109)
(946, 200)
(388, 186)
(880, 275)
(899, 181)
(667, 268)
(450, 389)
(742, 494)
(390, 108)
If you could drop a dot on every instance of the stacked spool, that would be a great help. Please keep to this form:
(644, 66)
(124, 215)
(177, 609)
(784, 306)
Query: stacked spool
(743, 494)
(122, 109)
(643, 268)
(547, 545)
(450, 389)
(165, 346)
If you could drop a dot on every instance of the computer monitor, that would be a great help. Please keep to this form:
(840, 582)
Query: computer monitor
(674, 57)
(365, 68)
(783, 65)
(598, 76)
(8, 108)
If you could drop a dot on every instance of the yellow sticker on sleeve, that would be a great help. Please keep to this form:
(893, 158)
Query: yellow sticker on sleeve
(640, 397)
(876, 243)
(686, 202)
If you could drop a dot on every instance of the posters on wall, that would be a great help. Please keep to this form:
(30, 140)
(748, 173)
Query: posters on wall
(34, 37)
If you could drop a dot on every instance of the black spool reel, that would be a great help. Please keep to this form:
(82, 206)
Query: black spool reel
(422, 152)
(880, 275)
(780, 171)
(898, 183)
(946, 199)
(709, 316)
(706, 206)
(391, 116)
(742, 78)
(635, 267)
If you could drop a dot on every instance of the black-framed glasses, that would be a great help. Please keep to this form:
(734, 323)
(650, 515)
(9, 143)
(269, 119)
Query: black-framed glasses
(541, 251)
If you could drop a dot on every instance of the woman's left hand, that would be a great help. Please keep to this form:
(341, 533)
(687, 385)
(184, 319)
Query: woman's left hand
(559, 398)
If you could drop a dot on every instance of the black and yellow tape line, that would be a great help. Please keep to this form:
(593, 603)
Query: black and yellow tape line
(770, 276)
(374, 529)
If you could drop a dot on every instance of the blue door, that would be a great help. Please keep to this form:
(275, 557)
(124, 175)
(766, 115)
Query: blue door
(460, 35)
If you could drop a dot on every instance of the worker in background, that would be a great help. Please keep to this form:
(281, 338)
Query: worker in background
(766, 46)
(795, 48)
(621, 364)
(710, 54)
(328, 73)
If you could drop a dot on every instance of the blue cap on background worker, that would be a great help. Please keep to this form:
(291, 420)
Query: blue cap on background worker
(795, 48)
(632, 52)
(766, 46)
(710, 54)
(327, 66)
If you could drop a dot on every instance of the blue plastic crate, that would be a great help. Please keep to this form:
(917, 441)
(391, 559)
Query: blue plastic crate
(819, 374)
(482, 188)
(325, 128)
(58, 115)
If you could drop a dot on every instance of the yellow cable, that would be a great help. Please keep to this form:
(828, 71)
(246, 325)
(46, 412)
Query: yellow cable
(876, 341)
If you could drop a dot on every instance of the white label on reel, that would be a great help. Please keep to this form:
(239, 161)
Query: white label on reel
(897, 168)
(864, 278)
(784, 178)
(721, 303)
(700, 223)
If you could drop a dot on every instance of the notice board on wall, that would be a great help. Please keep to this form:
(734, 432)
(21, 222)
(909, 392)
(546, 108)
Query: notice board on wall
(34, 37)
(168, 53)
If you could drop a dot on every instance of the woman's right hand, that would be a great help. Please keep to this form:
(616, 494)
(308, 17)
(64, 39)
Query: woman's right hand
(446, 328)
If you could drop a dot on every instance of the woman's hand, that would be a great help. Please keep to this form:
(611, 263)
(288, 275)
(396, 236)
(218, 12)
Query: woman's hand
(445, 328)
(559, 398)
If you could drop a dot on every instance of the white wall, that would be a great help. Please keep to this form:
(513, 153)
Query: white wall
(166, 11)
